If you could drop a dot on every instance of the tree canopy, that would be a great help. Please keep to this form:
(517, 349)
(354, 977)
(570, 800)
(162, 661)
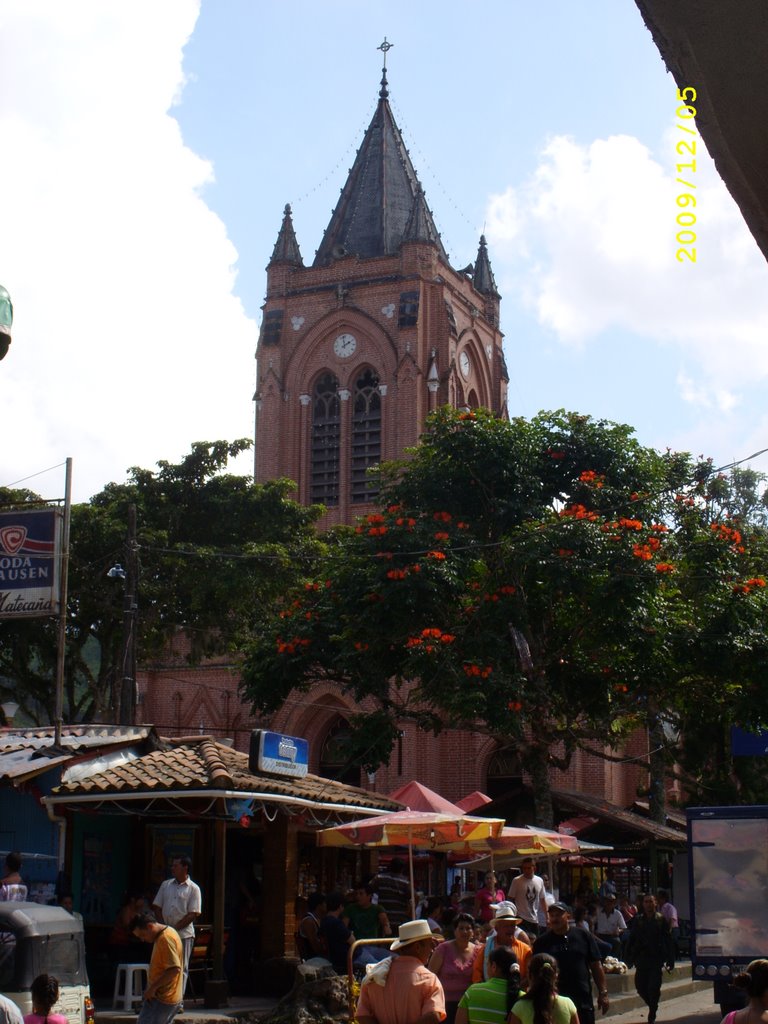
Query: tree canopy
(548, 581)
(213, 551)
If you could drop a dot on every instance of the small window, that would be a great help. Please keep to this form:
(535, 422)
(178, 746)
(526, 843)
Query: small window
(409, 309)
(272, 327)
(451, 318)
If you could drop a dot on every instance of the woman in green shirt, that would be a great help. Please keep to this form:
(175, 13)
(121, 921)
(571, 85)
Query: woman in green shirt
(489, 1002)
(541, 1004)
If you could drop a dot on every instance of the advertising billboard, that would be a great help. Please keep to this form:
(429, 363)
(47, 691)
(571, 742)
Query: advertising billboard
(30, 558)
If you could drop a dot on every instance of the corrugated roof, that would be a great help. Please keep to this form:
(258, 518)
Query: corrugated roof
(25, 753)
(200, 765)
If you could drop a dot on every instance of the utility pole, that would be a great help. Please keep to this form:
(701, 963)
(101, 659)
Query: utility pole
(128, 697)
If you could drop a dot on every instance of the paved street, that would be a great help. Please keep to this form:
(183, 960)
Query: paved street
(697, 1008)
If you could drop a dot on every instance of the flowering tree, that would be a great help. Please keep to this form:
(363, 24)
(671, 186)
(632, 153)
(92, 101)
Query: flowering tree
(522, 578)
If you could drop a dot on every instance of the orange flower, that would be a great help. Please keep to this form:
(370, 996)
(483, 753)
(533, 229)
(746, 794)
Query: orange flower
(442, 536)
(664, 567)
(442, 517)
(515, 705)
(360, 646)
(507, 589)
(631, 524)
(642, 551)
(438, 556)
(397, 574)
(564, 552)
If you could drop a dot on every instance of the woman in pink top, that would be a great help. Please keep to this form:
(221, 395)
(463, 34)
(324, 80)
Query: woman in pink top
(452, 962)
(490, 893)
(45, 995)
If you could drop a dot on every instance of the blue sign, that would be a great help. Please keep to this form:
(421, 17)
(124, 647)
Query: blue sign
(748, 744)
(283, 755)
(30, 545)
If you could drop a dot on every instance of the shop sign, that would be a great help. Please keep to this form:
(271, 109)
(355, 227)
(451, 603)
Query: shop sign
(282, 755)
(30, 552)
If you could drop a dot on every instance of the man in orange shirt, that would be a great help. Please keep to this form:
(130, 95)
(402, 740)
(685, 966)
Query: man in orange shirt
(505, 924)
(163, 994)
(401, 990)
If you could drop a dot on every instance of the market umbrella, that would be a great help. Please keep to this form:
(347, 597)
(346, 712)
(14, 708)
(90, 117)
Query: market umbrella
(418, 797)
(414, 829)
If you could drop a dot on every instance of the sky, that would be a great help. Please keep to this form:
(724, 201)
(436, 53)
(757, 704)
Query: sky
(148, 150)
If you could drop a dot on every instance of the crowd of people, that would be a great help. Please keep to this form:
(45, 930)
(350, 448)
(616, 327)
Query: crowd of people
(514, 954)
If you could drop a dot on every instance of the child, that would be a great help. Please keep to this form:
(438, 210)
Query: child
(45, 995)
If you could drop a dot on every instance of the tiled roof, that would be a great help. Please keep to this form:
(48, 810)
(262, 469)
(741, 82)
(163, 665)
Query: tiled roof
(196, 764)
(25, 753)
(616, 818)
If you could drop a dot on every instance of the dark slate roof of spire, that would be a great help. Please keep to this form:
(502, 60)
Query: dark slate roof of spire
(380, 201)
(419, 227)
(286, 247)
(483, 278)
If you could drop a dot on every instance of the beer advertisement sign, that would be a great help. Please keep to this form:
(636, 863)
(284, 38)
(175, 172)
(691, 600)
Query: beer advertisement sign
(30, 556)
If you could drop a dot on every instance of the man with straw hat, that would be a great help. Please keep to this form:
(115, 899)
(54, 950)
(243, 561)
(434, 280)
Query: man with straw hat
(505, 925)
(401, 990)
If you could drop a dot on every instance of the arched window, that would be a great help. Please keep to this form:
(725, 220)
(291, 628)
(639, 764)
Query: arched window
(505, 774)
(472, 401)
(334, 755)
(366, 435)
(326, 427)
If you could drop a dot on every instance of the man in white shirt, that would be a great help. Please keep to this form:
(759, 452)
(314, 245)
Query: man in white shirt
(611, 924)
(9, 1012)
(528, 894)
(179, 903)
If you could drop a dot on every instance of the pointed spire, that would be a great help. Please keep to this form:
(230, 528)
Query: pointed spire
(420, 227)
(378, 208)
(483, 278)
(286, 247)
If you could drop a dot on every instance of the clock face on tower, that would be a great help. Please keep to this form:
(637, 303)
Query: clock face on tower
(345, 345)
(464, 364)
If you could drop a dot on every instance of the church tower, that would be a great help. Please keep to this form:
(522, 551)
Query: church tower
(356, 349)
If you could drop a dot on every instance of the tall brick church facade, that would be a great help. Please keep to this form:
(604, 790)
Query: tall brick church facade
(354, 352)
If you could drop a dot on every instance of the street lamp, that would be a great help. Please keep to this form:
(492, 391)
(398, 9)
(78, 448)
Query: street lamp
(10, 707)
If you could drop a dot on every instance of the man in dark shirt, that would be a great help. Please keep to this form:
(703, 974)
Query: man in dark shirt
(394, 893)
(650, 948)
(577, 957)
(335, 934)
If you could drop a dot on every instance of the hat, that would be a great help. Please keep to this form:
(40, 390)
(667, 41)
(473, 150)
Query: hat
(412, 931)
(562, 907)
(505, 911)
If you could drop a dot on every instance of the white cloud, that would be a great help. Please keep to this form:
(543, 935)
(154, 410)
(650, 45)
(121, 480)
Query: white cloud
(129, 343)
(599, 223)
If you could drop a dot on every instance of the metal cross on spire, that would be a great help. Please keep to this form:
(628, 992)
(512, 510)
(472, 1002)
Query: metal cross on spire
(385, 48)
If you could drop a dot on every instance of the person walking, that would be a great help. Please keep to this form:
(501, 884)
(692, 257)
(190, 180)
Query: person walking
(164, 991)
(489, 1002)
(394, 892)
(527, 892)
(754, 981)
(505, 925)
(452, 962)
(401, 990)
(485, 897)
(650, 948)
(178, 903)
(542, 1002)
(578, 962)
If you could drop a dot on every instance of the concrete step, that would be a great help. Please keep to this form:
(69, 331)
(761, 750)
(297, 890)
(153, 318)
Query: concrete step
(623, 997)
